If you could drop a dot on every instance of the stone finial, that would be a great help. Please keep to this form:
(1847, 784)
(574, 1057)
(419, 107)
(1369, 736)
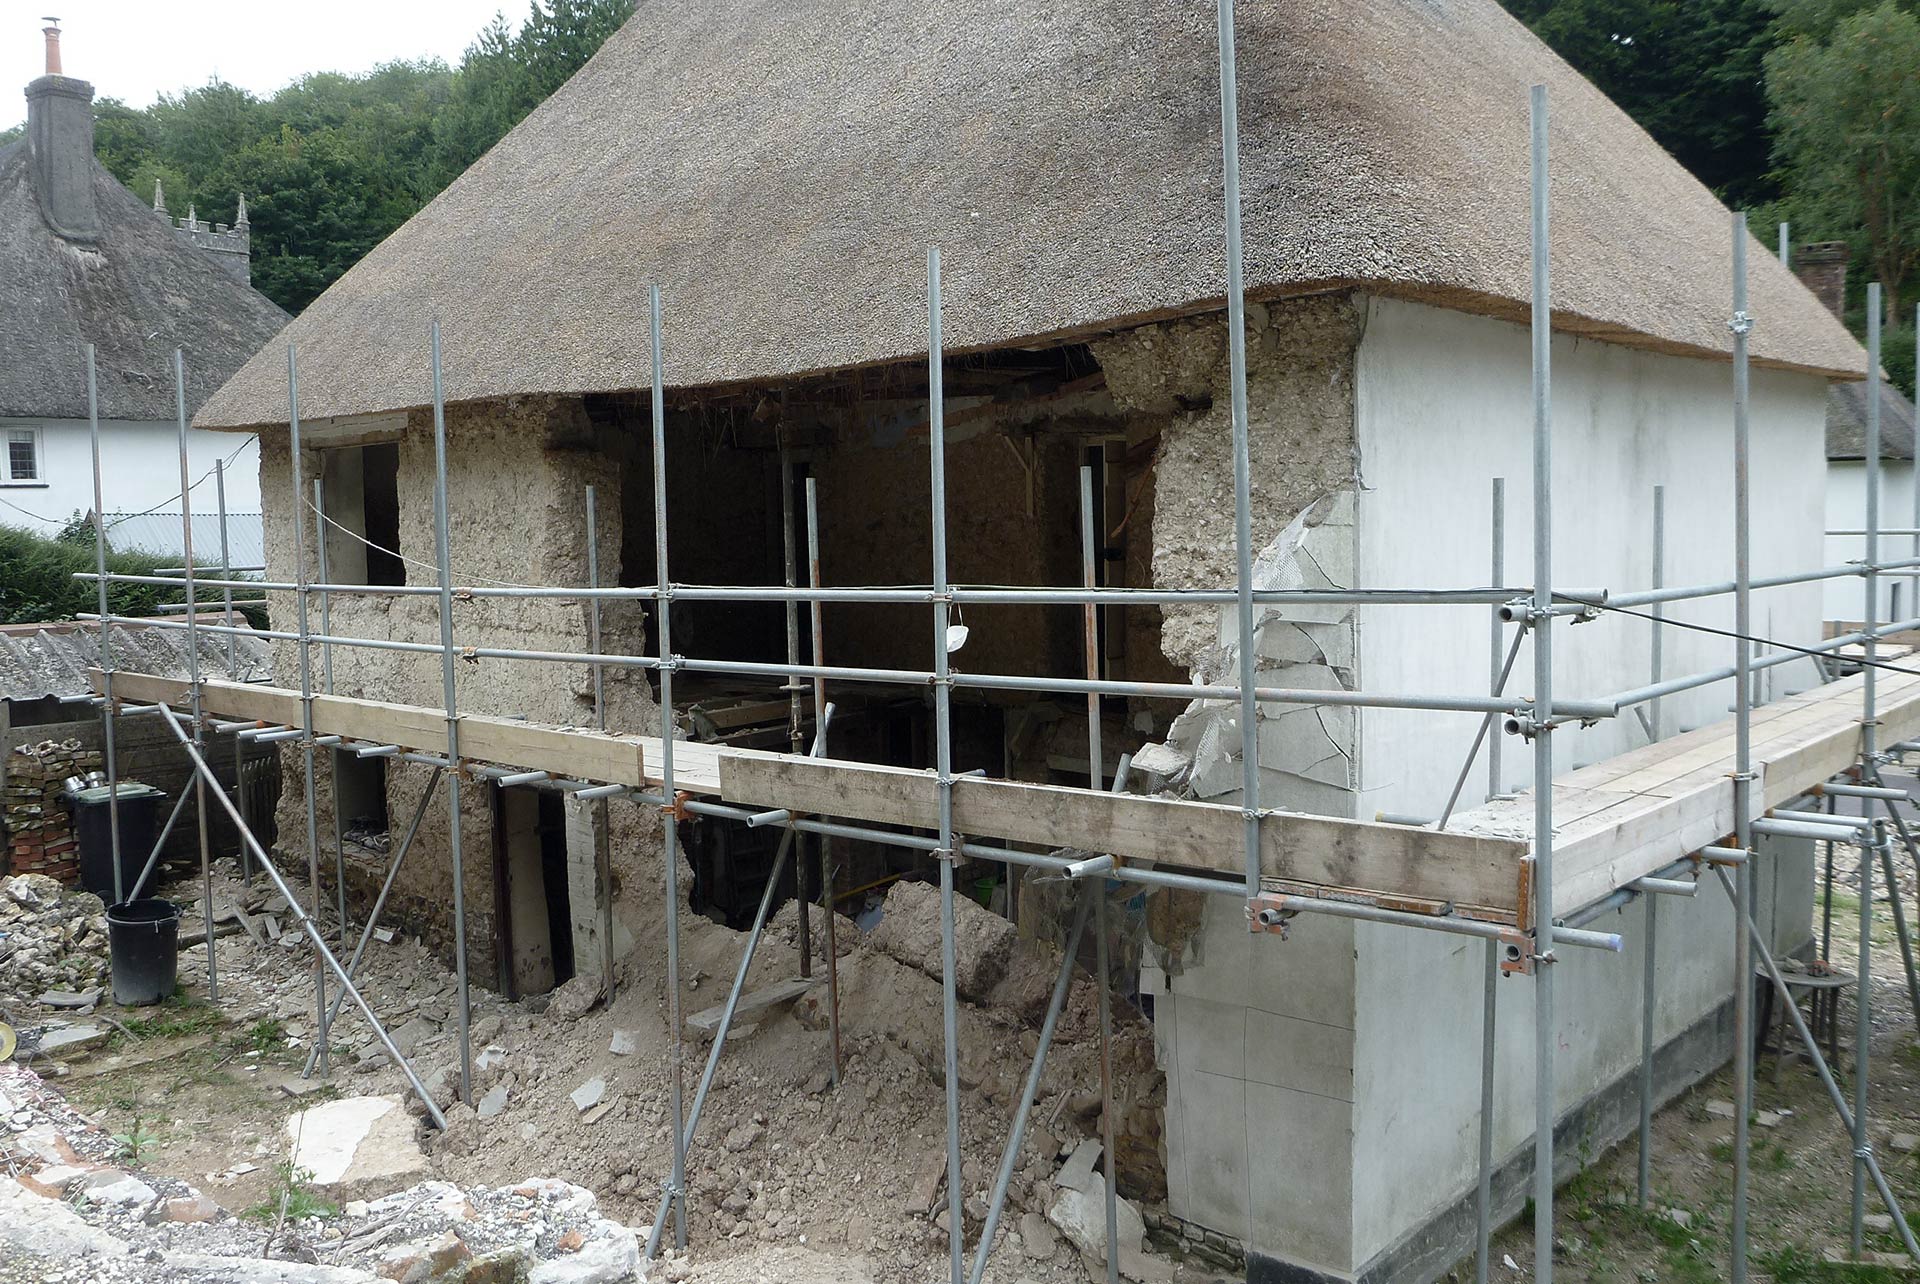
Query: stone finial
(159, 199)
(240, 219)
(193, 221)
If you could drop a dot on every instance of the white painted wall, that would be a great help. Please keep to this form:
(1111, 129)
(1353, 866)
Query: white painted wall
(140, 469)
(1443, 406)
(1847, 510)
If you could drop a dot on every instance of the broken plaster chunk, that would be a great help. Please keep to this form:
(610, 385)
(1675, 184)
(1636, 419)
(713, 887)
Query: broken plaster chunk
(493, 1102)
(588, 1095)
(625, 1043)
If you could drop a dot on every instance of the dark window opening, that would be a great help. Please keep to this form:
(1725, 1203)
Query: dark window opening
(360, 793)
(535, 913)
(361, 493)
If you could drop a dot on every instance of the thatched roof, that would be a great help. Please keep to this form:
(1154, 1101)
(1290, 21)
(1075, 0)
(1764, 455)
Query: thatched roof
(1847, 422)
(136, 293)
(780, 167)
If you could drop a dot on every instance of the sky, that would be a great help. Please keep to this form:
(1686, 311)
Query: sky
(136, 50)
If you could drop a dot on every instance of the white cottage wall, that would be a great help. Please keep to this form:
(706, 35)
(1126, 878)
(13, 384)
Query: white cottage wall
(139, 470)
(1847, 511)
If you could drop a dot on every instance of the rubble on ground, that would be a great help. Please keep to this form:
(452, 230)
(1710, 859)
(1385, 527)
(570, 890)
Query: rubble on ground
(52, 938)
(787, 1170)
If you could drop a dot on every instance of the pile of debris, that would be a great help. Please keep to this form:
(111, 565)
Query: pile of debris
(52, 939)
(39, 827)
(71, 1209)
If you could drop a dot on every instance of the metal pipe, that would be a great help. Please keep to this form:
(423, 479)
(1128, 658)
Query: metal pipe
(823, 842)
(226, 560)
(305, 656)
(1665, 886)
(1486, 725)
(1659, 610)
(443, 556)
(1848, 1119)
(1821, 818)
(1017, 1133)
(670, 824)
(1242, 474)
(943, 753)
(304, 920)
(153, 857)
(1496, 682)
(1545, 1046)
(1864, 791)
(1483, 1193)
(1649, 996)
(109, 710)
(193, 672)
(1869, 728)
(684, 1138)
(1862, 1041)
(380, 903)
(790, 566)
(326, 685)
(602, 832)
(1900, 914)
(1801, 829)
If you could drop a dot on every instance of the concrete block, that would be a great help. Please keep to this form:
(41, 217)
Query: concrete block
(357, 1146)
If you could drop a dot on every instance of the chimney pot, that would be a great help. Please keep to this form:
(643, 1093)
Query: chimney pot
(52, 33)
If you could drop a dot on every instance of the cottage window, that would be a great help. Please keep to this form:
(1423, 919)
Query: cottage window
(362, 498)
(23, 457)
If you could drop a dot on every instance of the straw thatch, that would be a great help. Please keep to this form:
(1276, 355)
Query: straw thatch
(780, 167)
(136, 293)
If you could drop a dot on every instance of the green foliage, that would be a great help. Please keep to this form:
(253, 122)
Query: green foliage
(332, 164)
(130, 1143)
(37, 584)
(290, 1193)
(1689, 71)
(1846, 111)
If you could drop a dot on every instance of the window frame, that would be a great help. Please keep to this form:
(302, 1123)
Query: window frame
(39, 478)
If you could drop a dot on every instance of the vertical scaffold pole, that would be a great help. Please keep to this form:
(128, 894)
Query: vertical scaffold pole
(943, 758)
(1543, 1015)
(670, 824)
(602, 836)
(796, 740)
(1097, 884)
(1242, 466)
(226, 573)
(1869, 748)
(443, 555)
(304, 652)
(1786, 245)
(108, 709)
(1741, 325)
(1656, 647)
(1489, 996)
(193, 669)
(326, 684)
(822, 843)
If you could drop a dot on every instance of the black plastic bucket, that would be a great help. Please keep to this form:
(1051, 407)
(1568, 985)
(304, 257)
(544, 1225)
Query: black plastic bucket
(143, 938)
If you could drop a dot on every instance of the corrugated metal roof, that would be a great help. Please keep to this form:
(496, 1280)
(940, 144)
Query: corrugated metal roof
(52, 660)
(160, 534)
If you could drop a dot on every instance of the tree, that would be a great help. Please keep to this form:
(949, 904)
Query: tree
(1690, 72)
(1845, 89)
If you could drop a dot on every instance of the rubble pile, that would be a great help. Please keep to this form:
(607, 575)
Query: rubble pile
(39, 826)
(52, 938)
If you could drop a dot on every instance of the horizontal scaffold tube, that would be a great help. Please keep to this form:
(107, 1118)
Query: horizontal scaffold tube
(915, 677)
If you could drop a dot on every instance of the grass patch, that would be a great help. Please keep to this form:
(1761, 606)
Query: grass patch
(178, 1016)
(1802, 1266)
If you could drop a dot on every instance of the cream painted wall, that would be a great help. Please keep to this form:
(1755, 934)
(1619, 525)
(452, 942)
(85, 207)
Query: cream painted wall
(1847, 510)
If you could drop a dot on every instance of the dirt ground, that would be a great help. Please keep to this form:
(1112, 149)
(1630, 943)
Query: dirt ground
(1800, 1183)
(795, 1180)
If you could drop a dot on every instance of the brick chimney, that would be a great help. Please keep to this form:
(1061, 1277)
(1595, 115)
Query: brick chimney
(1822, 268)
(60, 135)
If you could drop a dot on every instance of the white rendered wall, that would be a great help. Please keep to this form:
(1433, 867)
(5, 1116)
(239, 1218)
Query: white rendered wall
(140, 469)
(1442, 406)
(1847, 510)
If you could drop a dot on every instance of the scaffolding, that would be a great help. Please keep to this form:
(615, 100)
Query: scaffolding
(1515, 911)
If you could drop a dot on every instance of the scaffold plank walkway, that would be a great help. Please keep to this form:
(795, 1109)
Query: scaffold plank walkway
(1627, 816)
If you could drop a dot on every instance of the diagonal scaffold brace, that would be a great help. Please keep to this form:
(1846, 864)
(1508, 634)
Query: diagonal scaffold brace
(304, 919)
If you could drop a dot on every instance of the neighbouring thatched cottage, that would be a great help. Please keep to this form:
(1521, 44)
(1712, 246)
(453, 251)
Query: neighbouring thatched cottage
(780, 169)
(83, 260)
